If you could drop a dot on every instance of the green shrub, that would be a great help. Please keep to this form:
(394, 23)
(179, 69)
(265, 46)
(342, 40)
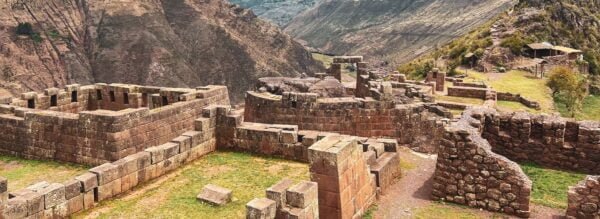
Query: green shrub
(25, 29)
(515, 43)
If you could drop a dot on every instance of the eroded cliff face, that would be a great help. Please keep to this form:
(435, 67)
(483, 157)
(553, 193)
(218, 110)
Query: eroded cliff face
(183, 43)
(395, 31)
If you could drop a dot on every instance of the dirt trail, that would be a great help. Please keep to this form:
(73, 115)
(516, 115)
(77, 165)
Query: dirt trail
(412, 192)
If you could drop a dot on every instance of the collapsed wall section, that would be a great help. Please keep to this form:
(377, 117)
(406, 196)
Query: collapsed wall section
(96, 137)
(550, 141)
(469, 173)
(416, 124)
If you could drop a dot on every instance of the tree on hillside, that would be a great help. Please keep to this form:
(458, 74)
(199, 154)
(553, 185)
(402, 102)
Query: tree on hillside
(569, 86)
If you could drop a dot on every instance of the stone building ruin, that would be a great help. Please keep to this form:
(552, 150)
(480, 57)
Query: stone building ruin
(348, 137)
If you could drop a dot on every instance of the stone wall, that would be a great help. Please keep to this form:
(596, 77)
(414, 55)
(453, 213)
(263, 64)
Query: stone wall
(414, 124)
(467, 84)
(469, 173)
(550, 141)
(472, 92)
(95, 137)
(584, 199)
(59, 200)
(346, 188)
(518, 98)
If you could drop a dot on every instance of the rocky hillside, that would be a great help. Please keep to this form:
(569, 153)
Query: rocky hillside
(280, 12)
(390, 30)
(153, 42)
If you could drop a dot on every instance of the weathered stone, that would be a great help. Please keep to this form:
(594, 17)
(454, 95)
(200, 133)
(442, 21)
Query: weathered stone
(302, 195)
(54, 194)
(215, 195)
(261, 208)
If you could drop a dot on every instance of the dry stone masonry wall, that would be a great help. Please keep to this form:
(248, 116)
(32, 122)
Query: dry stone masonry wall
(550, 141)
(59, 200)
(468, 172)
(99, 135)
(416, 124)
(584, 199)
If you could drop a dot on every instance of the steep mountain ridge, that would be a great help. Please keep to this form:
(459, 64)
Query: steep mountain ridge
(279, 12)
(394, 31)
(154, 42)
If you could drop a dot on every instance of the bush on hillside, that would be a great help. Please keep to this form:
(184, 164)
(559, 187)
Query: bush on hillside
(25, 29)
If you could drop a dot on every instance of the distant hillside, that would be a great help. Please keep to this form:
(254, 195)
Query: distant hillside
(279, 12)
(46, 43)
(395, 31)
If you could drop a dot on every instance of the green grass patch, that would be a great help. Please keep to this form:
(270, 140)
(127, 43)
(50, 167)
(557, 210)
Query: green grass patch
(325, 59)
(513, 106)
(22, 173)
(446, 210)
(369, 213)
(590, 111)
(462, 100)
(174, 195)
(519, 82)
(550, 186)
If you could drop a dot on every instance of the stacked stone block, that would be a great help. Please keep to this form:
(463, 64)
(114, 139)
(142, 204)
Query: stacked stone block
(383, 160)
(59, 200)
(584, 199)
(469, 173)
(346, 188)
(286, 200)
(438, 78)
(96, 137)
(519, 99)
(413, 124)
(469, 92)
(547, 140)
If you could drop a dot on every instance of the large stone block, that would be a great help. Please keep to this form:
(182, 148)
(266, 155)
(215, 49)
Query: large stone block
(215, 195)
(278, 191)
(302, 195)
(261, 208)
(73, 188)
(15, 208)
(88, 181)
(106, 173)
(54, 194)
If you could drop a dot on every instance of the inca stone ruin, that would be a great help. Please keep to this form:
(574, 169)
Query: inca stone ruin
(348, 137)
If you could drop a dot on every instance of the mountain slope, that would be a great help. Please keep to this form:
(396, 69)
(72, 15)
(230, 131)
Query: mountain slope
(395, 31)
(279, 12)
(153, 42)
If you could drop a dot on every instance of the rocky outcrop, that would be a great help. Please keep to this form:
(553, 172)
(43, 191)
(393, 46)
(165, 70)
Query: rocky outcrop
(183, 43)
(280, 12)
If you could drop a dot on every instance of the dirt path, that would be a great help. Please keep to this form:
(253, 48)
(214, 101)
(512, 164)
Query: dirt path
(410, 197)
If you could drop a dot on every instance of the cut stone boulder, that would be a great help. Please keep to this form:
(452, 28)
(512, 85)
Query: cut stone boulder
(215, 195)
(261, 208)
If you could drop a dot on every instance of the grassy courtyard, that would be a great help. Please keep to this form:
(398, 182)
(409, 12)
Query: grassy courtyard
(590, 110)
(517, 82)
(22, 173)
(550, 186)
(174, 195)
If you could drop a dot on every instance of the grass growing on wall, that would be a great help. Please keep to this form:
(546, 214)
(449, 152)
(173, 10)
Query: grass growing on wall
(22, 173)
(174, 195)
(550, 186)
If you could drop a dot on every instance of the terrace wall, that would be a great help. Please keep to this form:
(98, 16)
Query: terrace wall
(95, 137)
(416, 124)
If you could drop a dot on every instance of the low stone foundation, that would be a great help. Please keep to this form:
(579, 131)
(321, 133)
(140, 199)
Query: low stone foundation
(519, 99)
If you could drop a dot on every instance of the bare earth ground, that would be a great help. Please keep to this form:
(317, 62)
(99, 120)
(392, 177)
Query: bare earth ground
(409, 198)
